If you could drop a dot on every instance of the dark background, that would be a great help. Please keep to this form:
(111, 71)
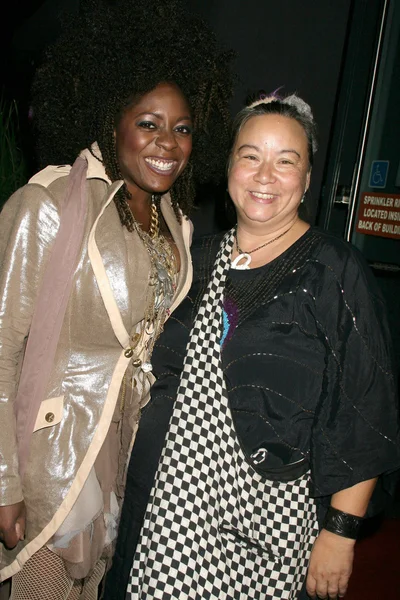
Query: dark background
(296, 44)
(301, 45)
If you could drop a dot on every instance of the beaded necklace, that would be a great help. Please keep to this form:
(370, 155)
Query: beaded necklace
(248, 296)
(242, 297)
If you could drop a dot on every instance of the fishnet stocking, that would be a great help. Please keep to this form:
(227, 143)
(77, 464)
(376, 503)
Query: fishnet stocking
(44, 577)
(91, 583)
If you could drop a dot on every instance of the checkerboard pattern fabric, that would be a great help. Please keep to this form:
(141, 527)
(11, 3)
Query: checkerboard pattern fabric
(215, 528)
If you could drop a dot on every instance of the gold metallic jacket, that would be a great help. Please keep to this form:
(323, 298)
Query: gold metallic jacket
(93, 351)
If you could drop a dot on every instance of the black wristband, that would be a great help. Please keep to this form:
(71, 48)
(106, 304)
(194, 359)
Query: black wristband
(342, 523)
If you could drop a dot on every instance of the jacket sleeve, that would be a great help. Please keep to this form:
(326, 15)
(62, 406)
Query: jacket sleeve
(29, 222)
(356, 429)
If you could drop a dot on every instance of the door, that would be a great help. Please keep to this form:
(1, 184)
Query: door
(361, 188)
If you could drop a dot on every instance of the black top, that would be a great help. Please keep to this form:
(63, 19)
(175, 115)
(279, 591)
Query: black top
(306, 358)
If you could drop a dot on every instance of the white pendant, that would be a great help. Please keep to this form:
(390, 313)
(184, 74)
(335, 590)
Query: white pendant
(147, 367)
(242, 257)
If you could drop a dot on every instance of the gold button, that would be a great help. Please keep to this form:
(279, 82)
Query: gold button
(128, 353)
(137, 362)
(49, 417)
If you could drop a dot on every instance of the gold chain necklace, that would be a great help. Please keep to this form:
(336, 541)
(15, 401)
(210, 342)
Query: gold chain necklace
(154, 228)
(161, 286)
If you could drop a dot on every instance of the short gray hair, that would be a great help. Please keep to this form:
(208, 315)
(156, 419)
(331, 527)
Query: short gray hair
(292, 107)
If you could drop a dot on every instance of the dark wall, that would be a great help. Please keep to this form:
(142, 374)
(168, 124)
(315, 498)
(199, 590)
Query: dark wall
(296, 44)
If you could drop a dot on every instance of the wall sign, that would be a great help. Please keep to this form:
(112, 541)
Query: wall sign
(379, 214)
(379, 173)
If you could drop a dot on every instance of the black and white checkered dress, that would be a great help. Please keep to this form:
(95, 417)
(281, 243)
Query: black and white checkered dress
(214, 527)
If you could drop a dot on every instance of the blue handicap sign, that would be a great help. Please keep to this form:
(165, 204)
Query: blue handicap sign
(379, 173)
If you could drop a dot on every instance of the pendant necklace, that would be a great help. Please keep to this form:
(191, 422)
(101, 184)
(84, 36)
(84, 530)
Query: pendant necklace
(245, 256)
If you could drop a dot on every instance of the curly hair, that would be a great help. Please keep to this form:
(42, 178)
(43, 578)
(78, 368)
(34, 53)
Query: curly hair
(113, 52)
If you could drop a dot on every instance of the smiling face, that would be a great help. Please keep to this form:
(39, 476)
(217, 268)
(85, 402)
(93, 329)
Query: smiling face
(154, 141)
(269, 171)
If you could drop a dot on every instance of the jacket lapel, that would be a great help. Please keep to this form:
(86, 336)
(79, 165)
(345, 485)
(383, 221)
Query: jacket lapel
(99, 263)
(107, 266)
(182, 237)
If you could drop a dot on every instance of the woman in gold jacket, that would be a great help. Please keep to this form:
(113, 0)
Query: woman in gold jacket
(135, 116)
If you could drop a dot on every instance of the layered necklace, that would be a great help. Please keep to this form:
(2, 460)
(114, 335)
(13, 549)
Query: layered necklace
(161, 287)
(243, 260)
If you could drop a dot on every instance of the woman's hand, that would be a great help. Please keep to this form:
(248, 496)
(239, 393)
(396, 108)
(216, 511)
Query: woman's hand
(330, 567)
(12, 524)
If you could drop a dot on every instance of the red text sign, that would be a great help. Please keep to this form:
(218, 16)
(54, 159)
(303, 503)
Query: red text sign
(379, 214)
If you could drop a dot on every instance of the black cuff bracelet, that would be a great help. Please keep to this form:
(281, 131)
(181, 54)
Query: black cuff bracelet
(342, 523)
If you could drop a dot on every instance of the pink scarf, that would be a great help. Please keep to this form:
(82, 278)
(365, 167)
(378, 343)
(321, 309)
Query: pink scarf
(49, 312)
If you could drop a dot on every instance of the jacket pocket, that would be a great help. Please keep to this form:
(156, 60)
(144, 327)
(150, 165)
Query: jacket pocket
(50, 413)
